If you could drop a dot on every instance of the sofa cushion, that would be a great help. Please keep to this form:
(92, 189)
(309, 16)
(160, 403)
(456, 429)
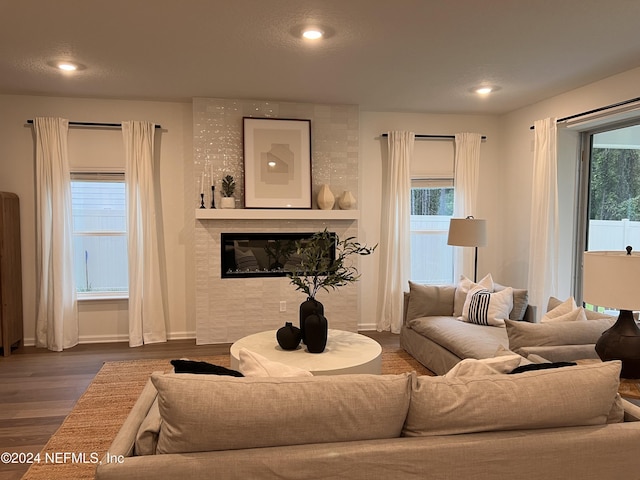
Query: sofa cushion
(430, 300)
(207, 413)
(560, 353)
(485, 308)
(465, 340)
(525, 334)
(463, 287)
(563, 397)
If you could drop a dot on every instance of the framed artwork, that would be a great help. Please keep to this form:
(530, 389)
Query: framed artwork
(277, 163)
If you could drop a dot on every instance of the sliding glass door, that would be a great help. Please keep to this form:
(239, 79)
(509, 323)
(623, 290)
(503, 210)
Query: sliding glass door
(610, 199)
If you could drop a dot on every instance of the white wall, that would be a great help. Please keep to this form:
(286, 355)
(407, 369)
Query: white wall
(103, 320)
(440, 154)
(518, 159)
(505, 187)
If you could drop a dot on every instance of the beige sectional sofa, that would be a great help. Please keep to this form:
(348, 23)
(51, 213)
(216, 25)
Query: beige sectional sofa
(433, 334)
(492, 426)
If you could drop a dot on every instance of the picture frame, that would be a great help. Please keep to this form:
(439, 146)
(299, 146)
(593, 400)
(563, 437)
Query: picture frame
(277, 163)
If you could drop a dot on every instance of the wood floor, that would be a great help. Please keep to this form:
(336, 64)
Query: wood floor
(38, 388)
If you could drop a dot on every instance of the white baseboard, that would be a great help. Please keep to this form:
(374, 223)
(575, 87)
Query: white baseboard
(87, 339)
(366, 327)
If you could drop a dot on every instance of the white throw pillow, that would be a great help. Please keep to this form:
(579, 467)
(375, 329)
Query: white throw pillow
(569, 305)
(577, 314)
(463, 287)
(485, 366)
(255, 365)
(485, 308)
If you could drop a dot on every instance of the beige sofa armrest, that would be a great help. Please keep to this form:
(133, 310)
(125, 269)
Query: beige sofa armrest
(530, 314)
(631, 411)
(124, 442)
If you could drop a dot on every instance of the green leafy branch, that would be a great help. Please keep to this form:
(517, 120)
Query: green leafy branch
(315, 270)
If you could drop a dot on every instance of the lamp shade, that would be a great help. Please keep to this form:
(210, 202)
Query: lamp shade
(467, 232)
(610, 279)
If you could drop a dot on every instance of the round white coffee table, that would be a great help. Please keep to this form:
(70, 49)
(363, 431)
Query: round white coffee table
(346, 352)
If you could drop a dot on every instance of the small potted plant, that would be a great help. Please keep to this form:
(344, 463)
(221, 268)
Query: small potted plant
(228, 189)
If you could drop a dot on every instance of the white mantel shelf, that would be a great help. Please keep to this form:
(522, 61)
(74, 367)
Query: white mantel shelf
(274, 214)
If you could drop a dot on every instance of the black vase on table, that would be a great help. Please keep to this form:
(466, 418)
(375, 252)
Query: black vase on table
(316, 330)
(288, 337)
(309, 307)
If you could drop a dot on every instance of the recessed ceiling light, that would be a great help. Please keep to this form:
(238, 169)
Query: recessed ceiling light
(67, 66)
(312, 33)
(485, 89)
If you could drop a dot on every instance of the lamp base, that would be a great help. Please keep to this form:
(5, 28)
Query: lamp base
(622, 342)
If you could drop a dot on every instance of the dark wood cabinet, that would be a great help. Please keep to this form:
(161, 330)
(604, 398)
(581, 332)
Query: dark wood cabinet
(10, 273)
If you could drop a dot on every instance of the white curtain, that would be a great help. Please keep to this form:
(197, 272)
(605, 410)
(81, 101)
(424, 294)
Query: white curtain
(543, 239)
(146, 303)
(466, 175)
(395, 261)
(57, 313)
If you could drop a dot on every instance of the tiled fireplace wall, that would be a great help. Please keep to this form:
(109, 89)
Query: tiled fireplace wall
(228, 309)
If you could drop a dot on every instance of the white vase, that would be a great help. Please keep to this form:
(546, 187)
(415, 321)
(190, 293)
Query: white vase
(227, 202)
(347, 201)
(326, 199)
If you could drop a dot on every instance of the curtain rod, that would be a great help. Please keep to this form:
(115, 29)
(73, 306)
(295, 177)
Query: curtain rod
(595, 110)
(93, 124)
(433, 137)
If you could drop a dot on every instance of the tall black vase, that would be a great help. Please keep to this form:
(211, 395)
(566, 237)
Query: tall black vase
(317, 331)
(309, 307)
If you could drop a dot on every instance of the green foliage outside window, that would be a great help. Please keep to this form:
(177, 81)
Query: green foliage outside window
(615, 184)
(432, 201)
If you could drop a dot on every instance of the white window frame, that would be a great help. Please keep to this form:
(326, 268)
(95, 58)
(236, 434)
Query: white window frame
(422, 182)
(101, 175)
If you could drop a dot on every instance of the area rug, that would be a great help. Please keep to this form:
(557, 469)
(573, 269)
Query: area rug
(87, 432)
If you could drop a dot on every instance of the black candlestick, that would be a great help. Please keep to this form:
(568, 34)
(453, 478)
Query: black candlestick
(213, 199)
(202, 200)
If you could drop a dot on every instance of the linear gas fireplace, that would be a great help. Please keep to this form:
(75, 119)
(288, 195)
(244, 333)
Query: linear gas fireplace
(263, 254)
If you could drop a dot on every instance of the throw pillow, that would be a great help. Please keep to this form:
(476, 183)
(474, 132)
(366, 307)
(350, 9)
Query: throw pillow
(191, 366)
(575, 315)
(520, 301)
(463, 287)
(484, 308)
(430, 300)
(256, 365)
(567, 306)
(541, 366)
(485, 366)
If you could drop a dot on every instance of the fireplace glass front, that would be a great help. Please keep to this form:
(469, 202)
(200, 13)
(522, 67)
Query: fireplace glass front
(263, 254)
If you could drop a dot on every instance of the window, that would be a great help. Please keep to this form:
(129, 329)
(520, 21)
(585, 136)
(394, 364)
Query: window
(610, 192)
(99, 234)
(431, 211)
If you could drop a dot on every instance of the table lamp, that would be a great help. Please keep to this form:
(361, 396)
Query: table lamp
(468, 232)
(610, 280)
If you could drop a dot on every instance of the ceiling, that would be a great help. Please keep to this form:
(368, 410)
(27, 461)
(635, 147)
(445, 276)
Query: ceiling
(383, 55)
